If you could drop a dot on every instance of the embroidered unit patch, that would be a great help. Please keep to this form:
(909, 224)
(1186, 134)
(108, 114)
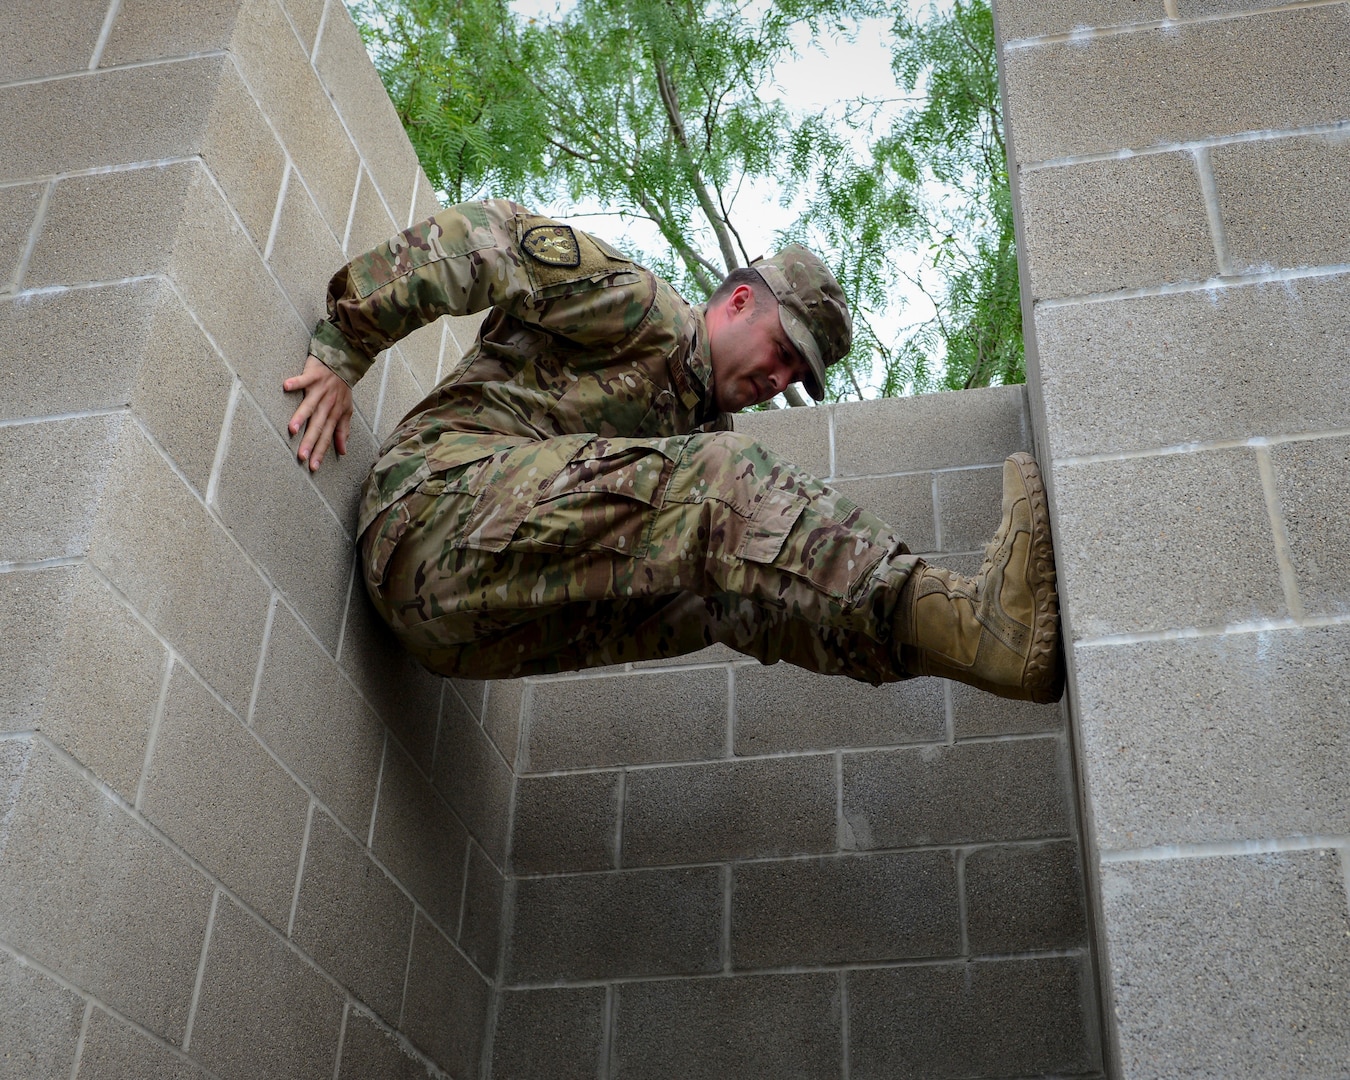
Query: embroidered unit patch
(552, 245)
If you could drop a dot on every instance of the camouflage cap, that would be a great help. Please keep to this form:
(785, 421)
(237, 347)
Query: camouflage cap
(812, 309)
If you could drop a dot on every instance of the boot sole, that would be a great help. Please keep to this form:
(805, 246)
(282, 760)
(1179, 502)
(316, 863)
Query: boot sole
(1043, 677)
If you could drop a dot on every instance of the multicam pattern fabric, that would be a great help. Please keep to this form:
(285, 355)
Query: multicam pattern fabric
(570, 496)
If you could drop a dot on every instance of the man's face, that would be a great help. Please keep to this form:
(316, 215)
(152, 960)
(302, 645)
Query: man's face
(752, 358)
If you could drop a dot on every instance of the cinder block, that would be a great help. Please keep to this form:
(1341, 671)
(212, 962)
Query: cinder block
(999, 1018)
(221, 274)
(930, 431)
(305, 252)
(221, 797)
(262, 1010)
(35, 607)
(1241, 962)
(903, 502)
(305, 16)
(472, 693)
(88, 343)
(39, 1023)
(160, 113)
(1312, 479)
(955, 794)
(366, 394)
(477, 783)
(1166, 370)
(425, 203)
(788, 708)
(1032, 18)
(183, 568)
(1284, 201)
(401, 393)
(371, 222)
(1217, 738)
(182, 389)
(1115, 224)
(970, 506)
(368, 1050)
(276, 66)
(734, 809)
(18, 212)
(976, 713)
(113, 1050)
(446, 1004)
(404, 694)
(844, 909)
(422, 353)
(88, 893)
(1158, 542)
(244, 156)
(271, 508)
(1268, 72)
(312, 719)
(340, 477)
(752, 1028)
(631, 922)
(353, 919)
(146, 30)
(420, 840)
(361, 98)
(54, 475)
(629, 720)
(565, 822)
(45, 39)
(105, 686)
(549, 1034)
(502, 709)
(802, 436)
(463, 332)
(481, 923)
(1020, 899)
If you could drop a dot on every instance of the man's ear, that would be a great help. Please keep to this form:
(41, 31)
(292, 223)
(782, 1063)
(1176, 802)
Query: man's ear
(741, 301)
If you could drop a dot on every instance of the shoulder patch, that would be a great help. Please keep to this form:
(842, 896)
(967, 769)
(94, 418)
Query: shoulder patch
(552, 245)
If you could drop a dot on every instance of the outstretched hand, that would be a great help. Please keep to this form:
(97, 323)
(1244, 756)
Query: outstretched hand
(326, 411)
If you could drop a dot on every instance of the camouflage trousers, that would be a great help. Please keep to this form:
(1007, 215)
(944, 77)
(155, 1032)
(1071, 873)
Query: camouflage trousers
(585, 551)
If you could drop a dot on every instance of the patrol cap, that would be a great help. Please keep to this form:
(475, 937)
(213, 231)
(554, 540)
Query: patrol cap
(812, 309)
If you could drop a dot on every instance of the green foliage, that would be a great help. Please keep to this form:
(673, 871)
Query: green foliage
(664, 110)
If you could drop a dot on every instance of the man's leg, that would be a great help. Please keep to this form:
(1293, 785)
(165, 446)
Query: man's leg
(499, 564)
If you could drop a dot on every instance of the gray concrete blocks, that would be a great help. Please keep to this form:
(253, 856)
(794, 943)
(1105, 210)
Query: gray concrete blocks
(844, 909)
(214, 790)
(1034, 18)
(549, 1034)
(18, 212)
(46, 41)
(566, 822)
(905, 503)
(1283, 201)
(40, 1022)
(575, 724)
(1267, 72)
(1024, 898)
(734, 809)
(1138, 550)
(352, 918)
(262, 1009)
(620, 923)
(370, 1050)
(35, 606)
(304, 251)
(1237, 961)
(474, 779)
(784, 708)
(113, 1049)
(371, 222)
(939, 431)
(1311, 480)
(1106, 225)
(145, 30)
(94, 897)
(954, 794)
(991, 1018)
(802, 436)
(445, 1007)
(1217, 738)
(1164, 371)
(480, 925)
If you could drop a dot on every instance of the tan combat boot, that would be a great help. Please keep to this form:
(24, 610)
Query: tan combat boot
(998, 631)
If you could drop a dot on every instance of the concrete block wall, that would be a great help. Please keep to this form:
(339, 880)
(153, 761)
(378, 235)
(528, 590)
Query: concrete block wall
(1181, 168)
(721, 869)
(240, 833)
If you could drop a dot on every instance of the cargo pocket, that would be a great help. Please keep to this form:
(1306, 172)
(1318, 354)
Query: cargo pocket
(602, 500)
(510, 485)
(381, 539)
(769, 523)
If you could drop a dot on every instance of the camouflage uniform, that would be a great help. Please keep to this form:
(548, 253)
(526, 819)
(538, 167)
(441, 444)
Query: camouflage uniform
(569, 496)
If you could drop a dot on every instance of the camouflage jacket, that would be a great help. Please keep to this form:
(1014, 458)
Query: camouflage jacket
(580, 341)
